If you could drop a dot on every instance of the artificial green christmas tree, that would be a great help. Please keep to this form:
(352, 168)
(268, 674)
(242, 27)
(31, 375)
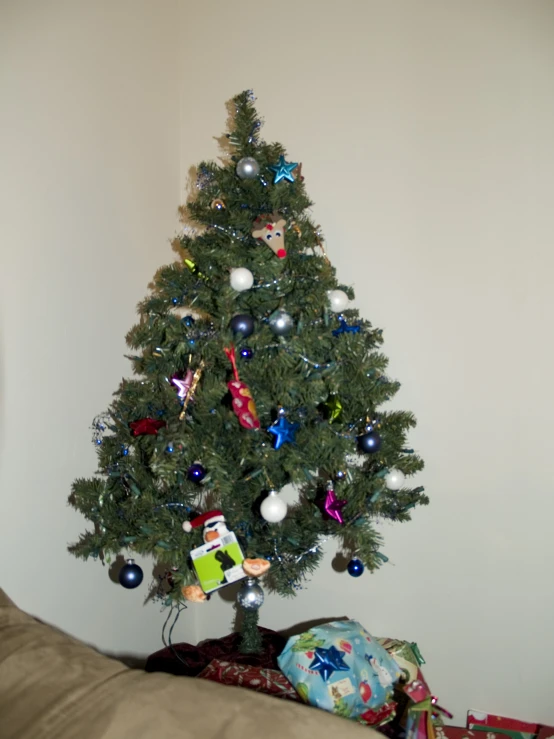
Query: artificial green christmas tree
(253, 372)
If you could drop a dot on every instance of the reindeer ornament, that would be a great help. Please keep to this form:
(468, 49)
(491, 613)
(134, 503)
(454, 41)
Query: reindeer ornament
(271, 230)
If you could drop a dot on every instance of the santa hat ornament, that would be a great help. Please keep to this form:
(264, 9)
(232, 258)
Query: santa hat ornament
(205, 519)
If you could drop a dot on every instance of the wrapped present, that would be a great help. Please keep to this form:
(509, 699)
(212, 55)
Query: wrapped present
(341, 668)
(455, 732)
(406, 655)
(417, 707)
(502, 725)
(260, 679)
(378, 716)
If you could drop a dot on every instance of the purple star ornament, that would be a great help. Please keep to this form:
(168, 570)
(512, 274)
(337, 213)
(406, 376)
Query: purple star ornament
(183, 384)
(332, 506)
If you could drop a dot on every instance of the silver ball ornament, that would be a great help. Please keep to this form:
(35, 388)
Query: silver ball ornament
(250, 596)
(248, 168)
(395, 479)
(338, 300)
(281, 323)
(273, 508)
(241, 279)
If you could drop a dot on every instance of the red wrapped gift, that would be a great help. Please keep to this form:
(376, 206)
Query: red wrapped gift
(455, 732)
(502, 725)
(260, 679)
(378, 716)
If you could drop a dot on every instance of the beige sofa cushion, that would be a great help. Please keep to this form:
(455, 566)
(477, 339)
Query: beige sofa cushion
(55, 687)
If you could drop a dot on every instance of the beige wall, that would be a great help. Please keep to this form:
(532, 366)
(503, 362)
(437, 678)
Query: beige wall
(88, 195)
(425, 131)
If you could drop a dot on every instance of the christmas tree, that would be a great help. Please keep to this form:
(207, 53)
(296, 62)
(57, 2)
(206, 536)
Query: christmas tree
(253, 372)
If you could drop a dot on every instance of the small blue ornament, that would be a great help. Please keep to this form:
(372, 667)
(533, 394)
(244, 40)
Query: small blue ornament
(283, 170)
(169, 448)
(326, 661)
(188, 321)
(130, 575)
(246, 352)
(174, 301)
(124, 450)
(355, 568)
(283, 431)
(196, 472)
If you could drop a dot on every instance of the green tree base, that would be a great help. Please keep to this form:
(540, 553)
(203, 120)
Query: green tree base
(251, 641)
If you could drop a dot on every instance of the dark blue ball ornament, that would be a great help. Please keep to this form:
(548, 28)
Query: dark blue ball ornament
(246, 352)
(130, 575)
(355, 568)
(242, 324)
(196, 472)
(188, 321)
(369, 442)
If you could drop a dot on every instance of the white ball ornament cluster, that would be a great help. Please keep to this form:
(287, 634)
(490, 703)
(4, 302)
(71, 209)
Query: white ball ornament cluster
(273, 508)
(338, 300)
(241, 279)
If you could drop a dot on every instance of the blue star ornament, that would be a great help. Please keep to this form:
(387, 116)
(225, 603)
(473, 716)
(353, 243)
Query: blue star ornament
(283, 170)
(326, 661)
(283, 431)
(344, 328)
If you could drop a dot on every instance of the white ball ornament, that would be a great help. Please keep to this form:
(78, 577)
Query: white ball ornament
(241, 279)
(395, 479)
(338, 300)
(273, 508)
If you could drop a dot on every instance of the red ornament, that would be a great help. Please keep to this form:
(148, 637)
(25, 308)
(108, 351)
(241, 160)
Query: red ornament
(146, 426)
(365, 691)
(243, 402)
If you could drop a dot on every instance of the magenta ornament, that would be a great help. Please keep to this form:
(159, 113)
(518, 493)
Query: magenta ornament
(183, 384)
(333, 506)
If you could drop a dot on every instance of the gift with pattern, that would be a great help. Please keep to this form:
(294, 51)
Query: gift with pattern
(341, 668)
